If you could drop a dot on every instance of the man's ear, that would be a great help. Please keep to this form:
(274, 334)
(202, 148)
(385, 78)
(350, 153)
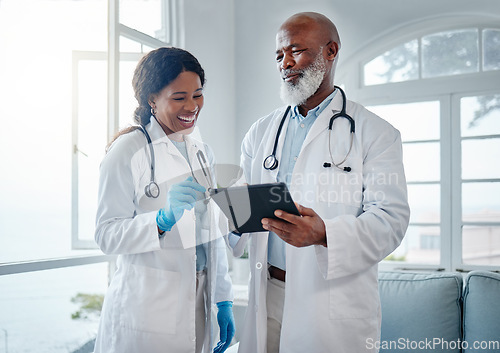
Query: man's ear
(332, 50)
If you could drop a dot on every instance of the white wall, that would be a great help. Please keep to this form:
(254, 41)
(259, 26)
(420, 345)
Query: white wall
(257, 78)
(360, 23)
(235, 42)
(209, 35)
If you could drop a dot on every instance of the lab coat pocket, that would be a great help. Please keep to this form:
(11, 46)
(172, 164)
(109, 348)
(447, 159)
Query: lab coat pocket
(150, 300)
(354, 297)
(334, 188)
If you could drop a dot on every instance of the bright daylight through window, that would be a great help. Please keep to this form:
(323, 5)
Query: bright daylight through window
(54, 76)
(451, 145)
(442, 54)
(420, 132)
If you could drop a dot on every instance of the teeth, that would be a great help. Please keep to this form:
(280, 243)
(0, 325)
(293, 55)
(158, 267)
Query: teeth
(187, 119)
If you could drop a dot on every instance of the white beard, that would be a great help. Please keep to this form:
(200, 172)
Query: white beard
(307, 84)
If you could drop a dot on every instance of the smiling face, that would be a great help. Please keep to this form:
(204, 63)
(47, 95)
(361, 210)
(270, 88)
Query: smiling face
(178, 105)
(306, 47)
(300, 84)
(297, 47)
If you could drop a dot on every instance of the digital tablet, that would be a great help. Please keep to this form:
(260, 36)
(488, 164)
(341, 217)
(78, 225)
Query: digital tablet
(245, 206)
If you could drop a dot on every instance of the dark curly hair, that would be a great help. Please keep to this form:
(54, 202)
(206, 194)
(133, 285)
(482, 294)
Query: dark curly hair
(156, 70)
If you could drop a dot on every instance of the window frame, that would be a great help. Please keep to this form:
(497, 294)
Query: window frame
(173, 31)
(448, 90)
(77, 57)
(457, 181)
(114, 56)
(417, 31)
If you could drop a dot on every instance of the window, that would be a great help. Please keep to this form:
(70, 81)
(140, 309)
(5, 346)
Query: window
(64, 92)
(396, 65)
(103, 100)
(35, 141)
(429, 241)
(480, 179)
(446, 53)
(450, 53)
(450, 128)
(419, 125)
(89, 137)
(40, 313)
(90, 126)
(133, 12)
(491, 45)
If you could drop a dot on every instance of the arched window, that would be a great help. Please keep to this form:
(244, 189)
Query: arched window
(453, 52)
(440, 86)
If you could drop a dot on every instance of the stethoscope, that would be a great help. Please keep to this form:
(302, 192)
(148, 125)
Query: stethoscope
(152, 190)
(271, 162)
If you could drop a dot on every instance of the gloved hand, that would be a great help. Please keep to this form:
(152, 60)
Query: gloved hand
(181, 196)
(225, 319)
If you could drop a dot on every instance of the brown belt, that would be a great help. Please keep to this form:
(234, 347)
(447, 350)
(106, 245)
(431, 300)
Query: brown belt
(277, 273)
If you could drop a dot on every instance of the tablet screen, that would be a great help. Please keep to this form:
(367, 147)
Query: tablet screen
(245, 206)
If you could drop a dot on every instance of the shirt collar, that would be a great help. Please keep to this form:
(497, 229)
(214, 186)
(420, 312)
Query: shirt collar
(156, 131)
(316, 111)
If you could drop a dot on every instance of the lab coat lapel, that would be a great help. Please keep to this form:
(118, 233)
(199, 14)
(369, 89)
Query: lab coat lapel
(272, 175)
(156, 131)
(193, 146)
(158, 136)
(321, 123)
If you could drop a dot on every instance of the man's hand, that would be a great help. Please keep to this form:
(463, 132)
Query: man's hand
(307, 229)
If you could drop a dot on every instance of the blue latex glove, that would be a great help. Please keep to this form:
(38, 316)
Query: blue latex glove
(225, 319)
(181, 196)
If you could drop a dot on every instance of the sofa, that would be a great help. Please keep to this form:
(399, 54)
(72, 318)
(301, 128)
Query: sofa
(437, 312)
(440, 312)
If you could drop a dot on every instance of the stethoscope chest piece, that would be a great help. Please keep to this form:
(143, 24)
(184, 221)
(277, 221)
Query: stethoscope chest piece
(271, 162)
(152, 190)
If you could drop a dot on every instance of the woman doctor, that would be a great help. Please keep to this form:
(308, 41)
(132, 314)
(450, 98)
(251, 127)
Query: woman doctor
(172, 263)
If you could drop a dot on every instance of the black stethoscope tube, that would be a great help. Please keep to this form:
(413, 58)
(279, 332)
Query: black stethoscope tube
(152, 190)
(342, 113)
(271, 162)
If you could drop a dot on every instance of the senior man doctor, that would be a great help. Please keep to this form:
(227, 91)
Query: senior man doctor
(314, 277)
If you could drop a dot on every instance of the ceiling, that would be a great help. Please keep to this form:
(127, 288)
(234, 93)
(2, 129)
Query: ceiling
(362, 21)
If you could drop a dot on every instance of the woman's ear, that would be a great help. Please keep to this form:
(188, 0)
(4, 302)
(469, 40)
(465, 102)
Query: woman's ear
(151, 101)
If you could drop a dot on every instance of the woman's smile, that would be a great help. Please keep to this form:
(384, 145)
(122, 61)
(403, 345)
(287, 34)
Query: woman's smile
(178, 105)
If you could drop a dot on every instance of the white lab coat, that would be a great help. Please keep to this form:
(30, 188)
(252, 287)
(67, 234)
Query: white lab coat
(150, 303)
(332, 303)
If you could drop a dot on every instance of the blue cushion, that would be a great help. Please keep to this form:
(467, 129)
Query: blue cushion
(421, 312)
(482, 312)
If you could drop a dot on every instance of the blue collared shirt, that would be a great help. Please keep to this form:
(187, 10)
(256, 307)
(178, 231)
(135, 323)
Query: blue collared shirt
(298, 127)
